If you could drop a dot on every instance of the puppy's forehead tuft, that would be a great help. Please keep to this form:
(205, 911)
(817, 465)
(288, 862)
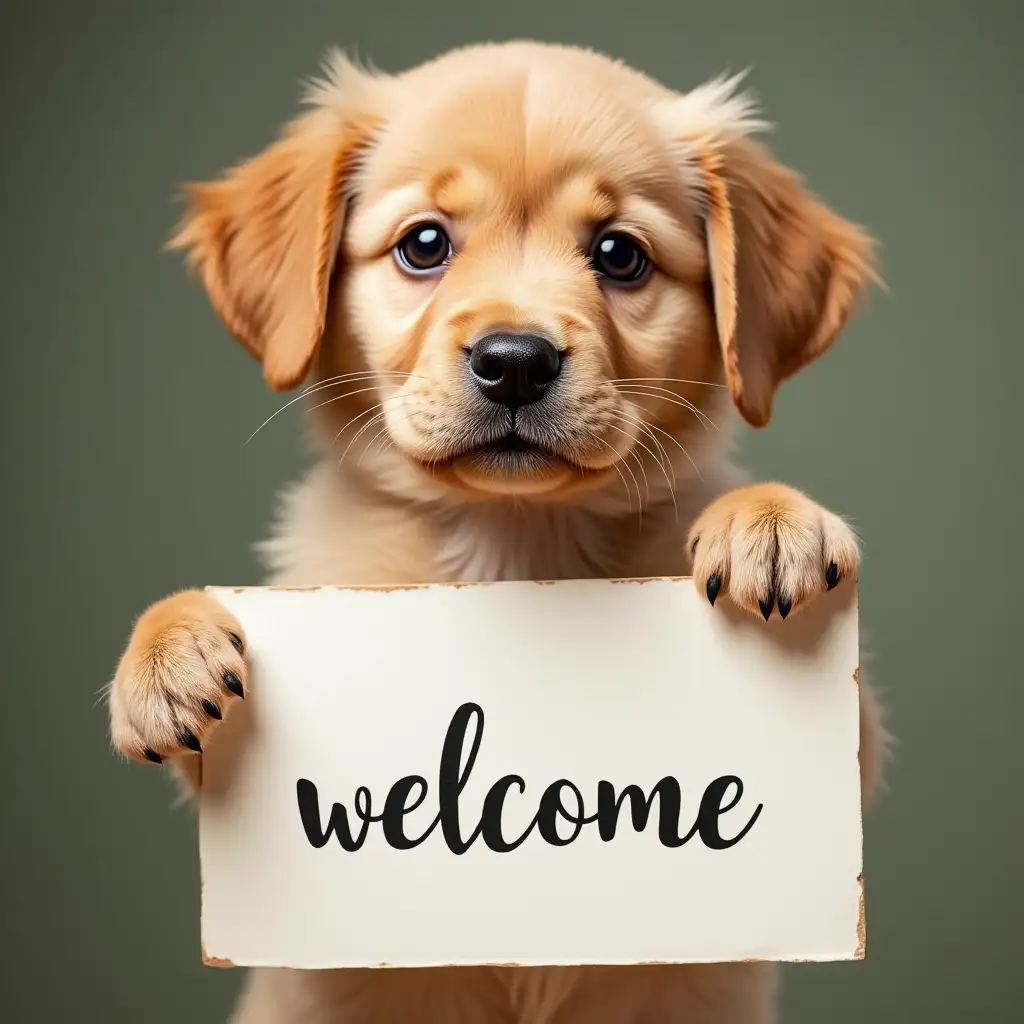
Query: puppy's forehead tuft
(520, 131)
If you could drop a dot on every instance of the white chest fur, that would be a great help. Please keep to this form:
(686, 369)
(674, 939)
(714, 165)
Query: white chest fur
(488, 542)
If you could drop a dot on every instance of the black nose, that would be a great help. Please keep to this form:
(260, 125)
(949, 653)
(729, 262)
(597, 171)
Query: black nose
(514, 369)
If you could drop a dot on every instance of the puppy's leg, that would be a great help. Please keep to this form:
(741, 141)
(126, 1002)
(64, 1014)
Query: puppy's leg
(771, 549)
(181, 670)
(429, 995)
(669, 994)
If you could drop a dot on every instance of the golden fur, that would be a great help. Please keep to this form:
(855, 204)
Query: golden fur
(520, 151)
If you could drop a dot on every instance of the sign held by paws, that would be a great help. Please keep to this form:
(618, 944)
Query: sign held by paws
(581, 772)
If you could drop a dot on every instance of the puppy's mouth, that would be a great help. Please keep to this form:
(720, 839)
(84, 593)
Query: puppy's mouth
(511, 444)
(514, 458)
(512, 453)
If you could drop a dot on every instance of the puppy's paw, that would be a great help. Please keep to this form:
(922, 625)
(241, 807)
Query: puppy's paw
(182, 668)
(770, 547)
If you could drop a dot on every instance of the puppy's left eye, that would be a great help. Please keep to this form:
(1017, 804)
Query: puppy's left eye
(620, 258)
(423, 249)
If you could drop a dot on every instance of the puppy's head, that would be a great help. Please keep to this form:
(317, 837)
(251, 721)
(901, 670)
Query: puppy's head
(518, 267)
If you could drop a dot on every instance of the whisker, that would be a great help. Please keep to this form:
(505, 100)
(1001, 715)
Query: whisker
(366, 412)
(650, 391)
(389, 443)
(376, 437)
(358, 374)
(355, 419)
(389, 439)
(663, 454)
(374, 419)
(675, 400)
(663, 457)
(665, 466)
(629, 497)
(615, 466)
(643, 472)
(670, 481)
(620, 461)
(330, 382)
(359, 433)
(349, 394)
(671, 380)
(632, 451)
(625, 465)
(677, 443)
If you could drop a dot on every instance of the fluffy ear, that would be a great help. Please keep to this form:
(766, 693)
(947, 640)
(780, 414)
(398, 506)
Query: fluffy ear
(264, 237)
(785, 270)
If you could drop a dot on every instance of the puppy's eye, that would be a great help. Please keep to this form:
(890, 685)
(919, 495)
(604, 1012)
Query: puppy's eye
(426, 247)
(620, 258)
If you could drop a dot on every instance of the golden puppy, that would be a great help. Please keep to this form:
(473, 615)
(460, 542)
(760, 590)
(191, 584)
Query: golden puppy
(529, 287)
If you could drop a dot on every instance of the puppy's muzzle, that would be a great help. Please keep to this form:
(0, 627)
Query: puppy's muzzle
(514, 370)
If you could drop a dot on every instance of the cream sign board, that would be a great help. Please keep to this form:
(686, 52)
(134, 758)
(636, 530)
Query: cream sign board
(581, 772)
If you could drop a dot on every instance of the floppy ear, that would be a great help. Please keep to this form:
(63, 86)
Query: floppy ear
(785, 270)
(264, 236)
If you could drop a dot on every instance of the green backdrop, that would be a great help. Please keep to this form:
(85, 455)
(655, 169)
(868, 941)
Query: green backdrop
(126, 407)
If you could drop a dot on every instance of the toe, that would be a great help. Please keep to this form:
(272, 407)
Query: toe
(840, 558)
(188, 739)
(797, 559)
(752, 583)
(711, 561)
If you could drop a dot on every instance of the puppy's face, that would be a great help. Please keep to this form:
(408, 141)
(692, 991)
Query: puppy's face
(522, 270)
(531, 265)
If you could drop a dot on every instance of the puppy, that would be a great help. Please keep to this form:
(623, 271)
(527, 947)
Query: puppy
(530, 289)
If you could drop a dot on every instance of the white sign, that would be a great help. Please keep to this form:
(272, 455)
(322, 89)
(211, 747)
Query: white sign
(584, 772)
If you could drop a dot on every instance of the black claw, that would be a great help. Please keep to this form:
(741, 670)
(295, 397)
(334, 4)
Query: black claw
(785, 606)
(713, 587)
(152, 755)
(832, 575)
(212, 710)
(766, 604)
(188, 737)
(234, 684)
(236, 642)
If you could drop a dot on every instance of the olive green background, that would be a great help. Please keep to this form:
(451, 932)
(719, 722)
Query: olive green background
(126, 407)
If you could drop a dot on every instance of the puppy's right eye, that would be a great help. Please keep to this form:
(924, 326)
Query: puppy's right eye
(423, 249)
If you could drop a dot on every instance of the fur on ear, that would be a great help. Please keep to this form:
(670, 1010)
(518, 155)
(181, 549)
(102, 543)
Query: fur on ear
(785, 270)
(264, 237)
